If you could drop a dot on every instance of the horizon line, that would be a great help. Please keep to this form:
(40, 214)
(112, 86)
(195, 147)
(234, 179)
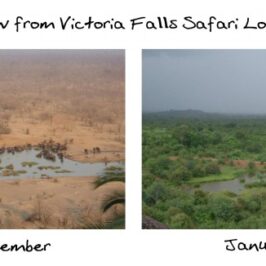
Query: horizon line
(207, 112)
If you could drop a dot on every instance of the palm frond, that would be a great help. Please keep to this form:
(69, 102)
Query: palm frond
(111, 174)
(104, 180)
(116, 197)
(117, 223)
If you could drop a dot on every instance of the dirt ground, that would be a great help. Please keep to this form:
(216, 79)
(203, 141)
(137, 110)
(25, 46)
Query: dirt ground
(73, 97)
(65, 202)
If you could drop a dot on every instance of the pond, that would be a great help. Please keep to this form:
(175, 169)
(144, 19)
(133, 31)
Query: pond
(234, 185)
(25, 164)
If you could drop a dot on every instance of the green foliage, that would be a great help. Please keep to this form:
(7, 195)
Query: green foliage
(212, 169)
(181, 220)
(254, 148)
(159, 166)
(183, 150)
(200, 197)
(156, 191)
(222, 207)
(180, 174)
(251, 165)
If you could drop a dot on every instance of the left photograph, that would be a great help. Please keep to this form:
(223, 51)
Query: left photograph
(62, 139)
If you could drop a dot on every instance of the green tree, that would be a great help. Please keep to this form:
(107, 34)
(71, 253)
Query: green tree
(222, 207)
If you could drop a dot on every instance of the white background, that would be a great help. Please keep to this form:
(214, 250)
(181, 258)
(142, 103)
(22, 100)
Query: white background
(132, 246)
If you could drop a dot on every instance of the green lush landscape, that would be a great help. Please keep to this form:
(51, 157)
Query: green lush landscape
(204, 170)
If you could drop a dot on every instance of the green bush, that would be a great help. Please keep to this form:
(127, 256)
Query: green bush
(157, 191)
(212, 169)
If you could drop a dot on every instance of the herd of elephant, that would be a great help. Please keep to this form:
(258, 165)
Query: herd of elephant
(48, 149)
(94, 150)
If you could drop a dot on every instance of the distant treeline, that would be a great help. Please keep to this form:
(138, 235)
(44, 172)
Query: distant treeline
(173, 115)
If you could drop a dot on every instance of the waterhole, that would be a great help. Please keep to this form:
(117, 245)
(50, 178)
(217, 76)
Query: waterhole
(25, 164)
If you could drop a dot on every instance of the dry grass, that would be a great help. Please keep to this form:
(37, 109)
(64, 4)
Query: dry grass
(76, 97)
(62, 95)
(41, 203)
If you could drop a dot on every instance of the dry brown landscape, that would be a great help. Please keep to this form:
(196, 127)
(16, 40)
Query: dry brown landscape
(65, 202)
(74, 100)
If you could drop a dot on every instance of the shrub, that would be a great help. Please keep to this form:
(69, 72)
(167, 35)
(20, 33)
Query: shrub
(212, 168)
(254, 148)
(222, 207)
(181, 220)
(181, 174)
(157, 191)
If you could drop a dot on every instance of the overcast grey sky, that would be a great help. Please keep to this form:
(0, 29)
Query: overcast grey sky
(227, 81)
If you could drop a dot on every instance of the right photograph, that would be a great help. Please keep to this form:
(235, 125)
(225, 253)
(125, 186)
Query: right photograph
(204, 139)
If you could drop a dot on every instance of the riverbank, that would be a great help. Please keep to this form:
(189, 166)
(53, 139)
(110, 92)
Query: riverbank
(227, 173)
(65, 202)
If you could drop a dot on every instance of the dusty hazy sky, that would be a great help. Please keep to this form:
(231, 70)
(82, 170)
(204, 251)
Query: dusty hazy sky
(228, 81)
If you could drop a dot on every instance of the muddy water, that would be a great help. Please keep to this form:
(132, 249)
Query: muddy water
(231, 185)
(65, 168)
